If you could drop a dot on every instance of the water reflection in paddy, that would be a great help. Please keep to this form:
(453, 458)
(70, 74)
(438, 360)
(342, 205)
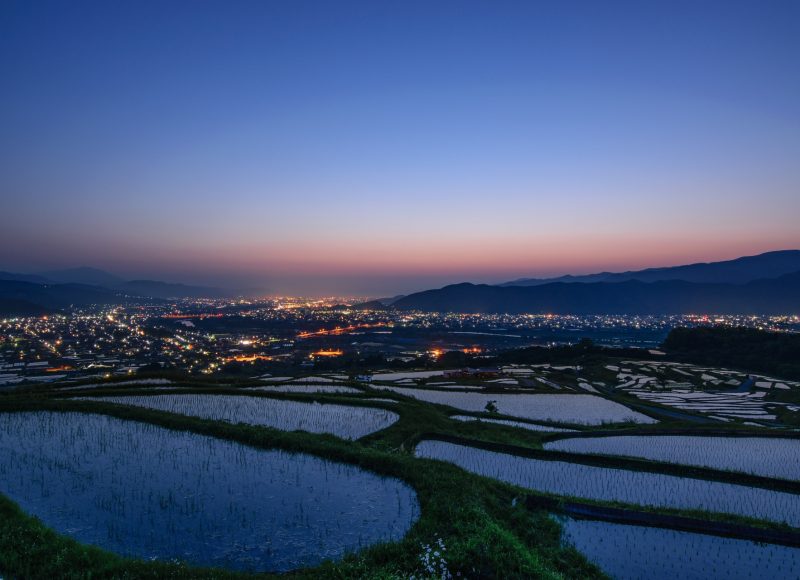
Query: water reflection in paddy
(141, 490)
(620, 485)
(631, 552)
(767, 456)
(346, 421)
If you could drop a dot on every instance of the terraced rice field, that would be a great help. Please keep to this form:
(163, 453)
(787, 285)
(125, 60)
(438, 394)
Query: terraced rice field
(407, 375)
(224, 504)
(751, 406)
(632, 552)
(631, 487)
(152, 493)
(575, 409)
(334, 389)
(507, 423)
(113, 384)
(454, 387)
(348, 422)
(504, 382)
(719, 393)
(315, 380)
(765, 456)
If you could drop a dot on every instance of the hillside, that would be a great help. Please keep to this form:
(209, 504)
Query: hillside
(157, 289)
(82, 275)
(738, 271)
(95, 278)
(26, 298)
(767, 296)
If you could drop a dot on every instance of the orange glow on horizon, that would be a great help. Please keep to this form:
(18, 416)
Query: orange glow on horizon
(503, 254)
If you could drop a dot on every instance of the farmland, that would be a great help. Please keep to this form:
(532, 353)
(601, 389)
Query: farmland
(617, 485)
(772, 457)
(581, 409)
(350, 422)
(627, 552)
(519, 424)
(67, 469)
(336, 475)
(307, 388)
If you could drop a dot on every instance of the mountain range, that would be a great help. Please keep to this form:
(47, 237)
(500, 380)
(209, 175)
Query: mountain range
(764, 284)
(738, 271)
(85, 276)
(21, 298)
(47, 292)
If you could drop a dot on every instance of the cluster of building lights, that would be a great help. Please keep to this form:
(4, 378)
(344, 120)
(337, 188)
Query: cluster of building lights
(186, 335)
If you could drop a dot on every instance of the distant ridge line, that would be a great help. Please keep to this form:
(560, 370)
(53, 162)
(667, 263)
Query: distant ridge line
(737, 271)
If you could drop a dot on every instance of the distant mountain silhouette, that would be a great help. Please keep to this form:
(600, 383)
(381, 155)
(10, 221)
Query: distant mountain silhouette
(738, 271)
(156, 289)
(150, 288)
(16, 296)
(33, 278)
(83, 275)
(388, 301)
(766, 296)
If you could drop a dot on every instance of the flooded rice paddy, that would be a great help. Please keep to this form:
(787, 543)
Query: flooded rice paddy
(607, 484)
(765, 456)
(312, 389)
(627, 552)
(721, 394)
(115, 384)
(413, 375)
(348, 422)
(577, 409)
(152, 493)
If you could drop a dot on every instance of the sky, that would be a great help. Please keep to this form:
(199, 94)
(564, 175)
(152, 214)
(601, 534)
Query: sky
(382, 147)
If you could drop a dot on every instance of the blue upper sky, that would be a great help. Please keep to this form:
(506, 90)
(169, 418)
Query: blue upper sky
(373, 147)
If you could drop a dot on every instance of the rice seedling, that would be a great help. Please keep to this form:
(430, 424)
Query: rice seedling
(734, 405)
(334, 389)
(314, 380)
(348, 422)
(407, 375)
(765, 456)
(577, 409)
(619, 485)
(145, 491)
(630, 552)
(112, 384)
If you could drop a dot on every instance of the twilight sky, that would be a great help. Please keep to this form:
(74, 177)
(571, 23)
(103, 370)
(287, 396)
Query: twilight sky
(380, 147)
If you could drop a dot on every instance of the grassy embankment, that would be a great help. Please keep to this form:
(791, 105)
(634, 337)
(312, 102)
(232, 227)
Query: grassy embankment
(487, 528)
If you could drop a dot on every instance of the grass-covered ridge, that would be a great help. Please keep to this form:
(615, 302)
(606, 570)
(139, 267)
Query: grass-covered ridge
(489, 528)
(486, 532)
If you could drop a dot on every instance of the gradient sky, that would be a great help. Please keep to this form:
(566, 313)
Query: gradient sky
(380, 147)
